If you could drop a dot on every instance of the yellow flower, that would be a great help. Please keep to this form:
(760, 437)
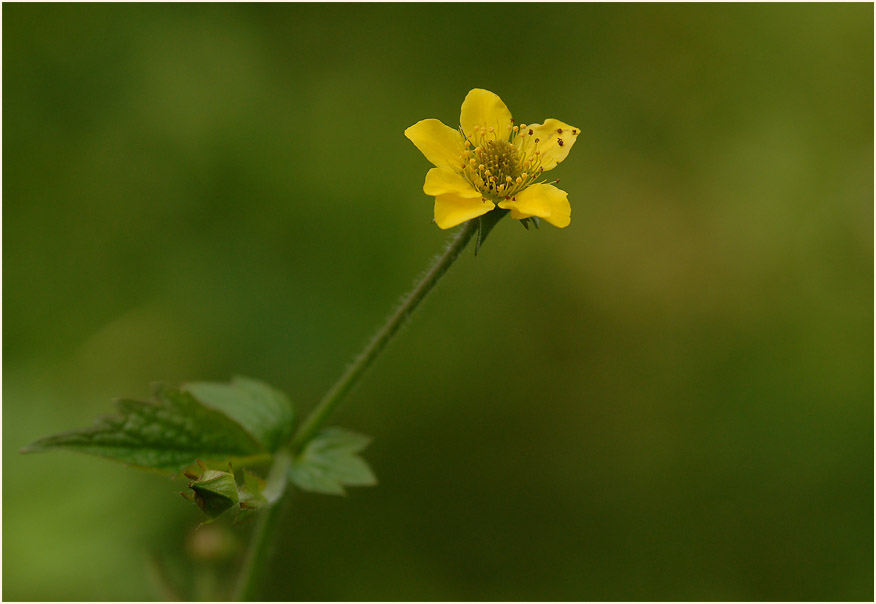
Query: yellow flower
(491, 161)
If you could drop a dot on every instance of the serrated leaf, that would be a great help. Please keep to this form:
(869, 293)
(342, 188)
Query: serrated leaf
(264, 412)
(330, 462)
(165, 435)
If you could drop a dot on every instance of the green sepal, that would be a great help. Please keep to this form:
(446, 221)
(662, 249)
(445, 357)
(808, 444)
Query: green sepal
(251, 496)
(533, 220)
(330, 461)
(486, 224)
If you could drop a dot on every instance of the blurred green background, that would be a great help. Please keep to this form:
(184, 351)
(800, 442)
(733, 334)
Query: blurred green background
(670, 399)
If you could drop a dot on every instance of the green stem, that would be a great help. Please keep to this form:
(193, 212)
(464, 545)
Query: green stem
(256, 557)
(255, 562)
(329, 402)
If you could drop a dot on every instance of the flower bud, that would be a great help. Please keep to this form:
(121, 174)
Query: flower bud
(214, 492)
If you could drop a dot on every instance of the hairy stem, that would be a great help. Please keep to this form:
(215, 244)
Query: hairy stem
(256, 557)
(329, 402)
(255, 561)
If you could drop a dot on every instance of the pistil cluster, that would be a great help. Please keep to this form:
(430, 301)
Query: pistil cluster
(500, 166)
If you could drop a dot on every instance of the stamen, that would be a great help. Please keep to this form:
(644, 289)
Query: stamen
(496, 165)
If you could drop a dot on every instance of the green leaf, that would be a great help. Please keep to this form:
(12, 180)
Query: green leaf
(330, 462)
(264, 412)
(165, 435)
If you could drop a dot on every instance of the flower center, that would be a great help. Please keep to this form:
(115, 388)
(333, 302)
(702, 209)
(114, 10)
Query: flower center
(500, 158)
(499, 167)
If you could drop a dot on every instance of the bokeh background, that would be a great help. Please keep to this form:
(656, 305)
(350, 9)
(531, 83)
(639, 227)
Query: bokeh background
(670, 399)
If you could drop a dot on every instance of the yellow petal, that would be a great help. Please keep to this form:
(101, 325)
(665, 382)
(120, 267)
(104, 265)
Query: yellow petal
(442, 182)
(442, 145)
(544, 201)
(482, 108)
(516, 215)
(451, 210)
(549, 135)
